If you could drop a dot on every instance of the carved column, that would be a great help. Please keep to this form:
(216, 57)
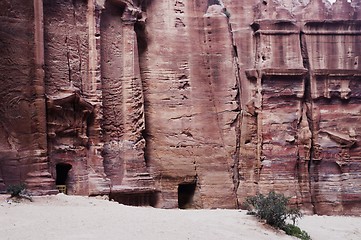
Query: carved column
(134, 122)
(124, 120)
(98, 184)
(38, 178)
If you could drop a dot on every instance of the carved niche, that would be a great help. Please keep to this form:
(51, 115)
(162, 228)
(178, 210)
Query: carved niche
(69, 117)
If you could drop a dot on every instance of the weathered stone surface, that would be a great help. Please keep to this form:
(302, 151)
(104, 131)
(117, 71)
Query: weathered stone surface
(328, 52)
(184, 103)
(23, 153)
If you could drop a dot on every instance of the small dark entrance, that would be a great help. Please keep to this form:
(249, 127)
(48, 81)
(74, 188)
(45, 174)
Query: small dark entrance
(185, 195)
(62, 170)
(135, 199)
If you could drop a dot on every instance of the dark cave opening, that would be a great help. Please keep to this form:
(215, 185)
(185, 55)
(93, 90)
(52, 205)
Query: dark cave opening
(62, 170)
(135, 198)
(185, 194)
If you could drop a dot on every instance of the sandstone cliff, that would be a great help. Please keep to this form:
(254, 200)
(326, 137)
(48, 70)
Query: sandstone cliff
(182, 103)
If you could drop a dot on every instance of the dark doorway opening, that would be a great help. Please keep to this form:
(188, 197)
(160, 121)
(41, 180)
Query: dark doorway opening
(185, 195)
(135, 199)
(62, 170)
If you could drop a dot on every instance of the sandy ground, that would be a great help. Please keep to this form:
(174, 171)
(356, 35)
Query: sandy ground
(75, 217)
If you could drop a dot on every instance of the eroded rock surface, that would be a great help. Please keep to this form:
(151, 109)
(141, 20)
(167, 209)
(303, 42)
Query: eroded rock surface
(190, 104)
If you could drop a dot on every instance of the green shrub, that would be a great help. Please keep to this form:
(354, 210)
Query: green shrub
(295, 231)
(274, 209)
(16, 189)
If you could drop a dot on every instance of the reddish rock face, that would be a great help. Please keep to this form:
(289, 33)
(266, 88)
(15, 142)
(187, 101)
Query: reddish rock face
(190, 104)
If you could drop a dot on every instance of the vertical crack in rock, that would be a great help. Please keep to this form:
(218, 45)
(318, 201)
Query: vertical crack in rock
(208, 32)
(236, 153)
(254, 107)
(74, 13)
(259, 135)
(80, 59)
(68, 58)
(307, 108)
(69, 50)
(141, 47)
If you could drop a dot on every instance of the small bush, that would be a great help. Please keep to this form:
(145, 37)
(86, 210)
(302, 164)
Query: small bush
(19, 191)
(16, 189)
(274, 209)
(295, 231)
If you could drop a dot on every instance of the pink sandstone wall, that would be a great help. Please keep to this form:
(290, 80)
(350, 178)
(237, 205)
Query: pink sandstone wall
(191, 104)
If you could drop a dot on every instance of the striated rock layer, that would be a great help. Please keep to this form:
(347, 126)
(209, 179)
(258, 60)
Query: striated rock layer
(178, 103)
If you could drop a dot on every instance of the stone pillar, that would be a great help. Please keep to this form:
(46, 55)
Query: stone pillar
(123, 102)
(92, 87)
(134, 121)
(38, 178)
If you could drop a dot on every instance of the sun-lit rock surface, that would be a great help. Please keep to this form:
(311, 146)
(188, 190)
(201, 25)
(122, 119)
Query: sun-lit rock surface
(191, 104)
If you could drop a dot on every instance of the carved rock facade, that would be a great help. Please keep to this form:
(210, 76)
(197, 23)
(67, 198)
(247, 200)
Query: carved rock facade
(183, 103)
